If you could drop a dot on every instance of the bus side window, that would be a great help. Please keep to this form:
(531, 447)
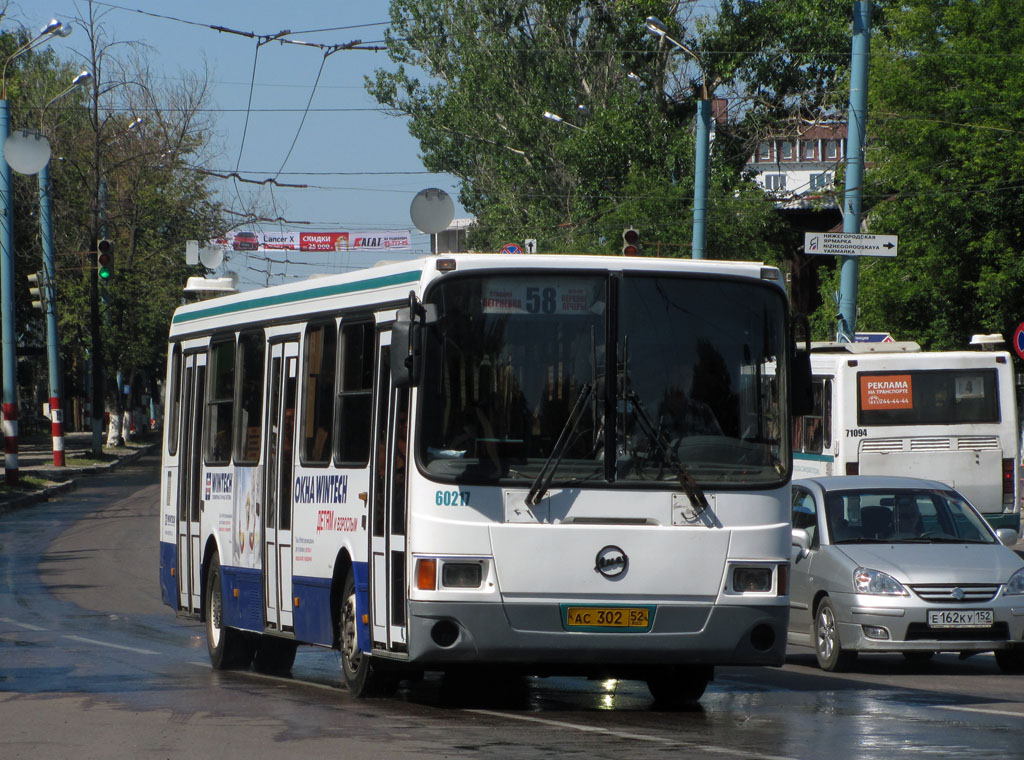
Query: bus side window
(812, 432)
(220, 406)
(318, 393)
(355, 392)
(249, 379)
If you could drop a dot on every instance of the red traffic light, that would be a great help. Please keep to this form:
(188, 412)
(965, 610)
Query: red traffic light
(630, 242)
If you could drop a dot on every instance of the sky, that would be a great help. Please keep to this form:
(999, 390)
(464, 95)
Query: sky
(360, 163)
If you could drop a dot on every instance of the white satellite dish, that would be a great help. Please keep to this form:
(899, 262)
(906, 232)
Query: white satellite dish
(432, 210)
(26, 151)
(211, 256)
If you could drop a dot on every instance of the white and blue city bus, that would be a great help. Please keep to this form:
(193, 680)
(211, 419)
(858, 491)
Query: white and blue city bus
(557, 464)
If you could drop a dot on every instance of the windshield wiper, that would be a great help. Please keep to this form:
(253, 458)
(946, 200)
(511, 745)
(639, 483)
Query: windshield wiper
(694, 493)
(547, 472)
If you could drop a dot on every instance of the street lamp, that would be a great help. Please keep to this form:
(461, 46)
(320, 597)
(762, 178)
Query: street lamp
(50, 283)
(559, 120)
(700, 164)
(9, 353)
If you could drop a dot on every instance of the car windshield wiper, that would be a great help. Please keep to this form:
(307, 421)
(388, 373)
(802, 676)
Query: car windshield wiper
(693, 491)
(547, 472)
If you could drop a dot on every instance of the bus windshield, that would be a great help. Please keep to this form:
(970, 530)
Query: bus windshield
(639, 374)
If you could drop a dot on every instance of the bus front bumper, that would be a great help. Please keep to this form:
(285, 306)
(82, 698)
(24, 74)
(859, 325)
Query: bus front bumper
(535, 634)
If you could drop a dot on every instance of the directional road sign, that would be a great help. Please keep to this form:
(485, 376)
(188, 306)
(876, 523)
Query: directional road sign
(849, 244)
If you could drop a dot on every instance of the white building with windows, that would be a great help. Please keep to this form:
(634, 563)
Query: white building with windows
(799, 168)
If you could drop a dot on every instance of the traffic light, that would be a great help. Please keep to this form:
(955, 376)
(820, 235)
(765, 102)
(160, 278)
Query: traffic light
(37, 289)
(105, 258)
(630, 242)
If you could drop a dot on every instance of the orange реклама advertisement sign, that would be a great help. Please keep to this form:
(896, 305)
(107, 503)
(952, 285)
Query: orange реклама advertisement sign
(886, 392)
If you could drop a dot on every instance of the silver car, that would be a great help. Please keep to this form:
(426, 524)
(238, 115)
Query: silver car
(886, 564)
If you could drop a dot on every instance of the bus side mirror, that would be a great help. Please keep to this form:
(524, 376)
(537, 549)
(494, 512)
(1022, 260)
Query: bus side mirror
(407, 342)
(803, 393)
(801, 389)
(406, 350)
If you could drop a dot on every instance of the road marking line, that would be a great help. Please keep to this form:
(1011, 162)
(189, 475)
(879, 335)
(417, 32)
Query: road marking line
(985, 710)
(631, 736)
(26, 626)
(108, 644)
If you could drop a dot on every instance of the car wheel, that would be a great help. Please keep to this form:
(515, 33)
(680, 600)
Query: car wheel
(680, 686)
(1010, 660)
(827, 646)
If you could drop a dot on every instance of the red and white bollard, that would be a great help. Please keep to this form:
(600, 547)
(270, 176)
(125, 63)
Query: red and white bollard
(57, 431)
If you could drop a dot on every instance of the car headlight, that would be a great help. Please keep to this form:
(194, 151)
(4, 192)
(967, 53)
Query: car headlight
(867, 581)
(1016, 583)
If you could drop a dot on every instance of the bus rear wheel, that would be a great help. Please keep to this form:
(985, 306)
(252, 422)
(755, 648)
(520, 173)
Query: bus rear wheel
(680, 686)
(228, 647)
(363, 677)
(274, 655)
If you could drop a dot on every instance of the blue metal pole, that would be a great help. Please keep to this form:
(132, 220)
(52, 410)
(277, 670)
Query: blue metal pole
(10, 358)
(855, 129)
(52, 344)
(700, 175)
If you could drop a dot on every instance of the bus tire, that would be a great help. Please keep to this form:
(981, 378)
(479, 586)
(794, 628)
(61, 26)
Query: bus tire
(274, 655)
(827, 646)
(362, 675)
(680, 686)
(229, 647)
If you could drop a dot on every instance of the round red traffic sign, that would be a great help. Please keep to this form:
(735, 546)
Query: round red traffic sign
(1018, 340)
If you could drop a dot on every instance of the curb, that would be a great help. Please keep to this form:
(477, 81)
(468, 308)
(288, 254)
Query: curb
(68, 480)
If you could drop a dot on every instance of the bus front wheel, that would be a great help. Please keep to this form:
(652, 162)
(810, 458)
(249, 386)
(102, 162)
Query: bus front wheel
(229, 648)
(680, 686)
(363, 677)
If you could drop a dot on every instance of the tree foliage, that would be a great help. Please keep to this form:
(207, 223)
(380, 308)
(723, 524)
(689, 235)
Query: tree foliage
(947, 117)
(123, 151)
(624, 157)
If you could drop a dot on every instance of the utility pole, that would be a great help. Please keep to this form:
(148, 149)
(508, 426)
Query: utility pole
(96, 343)
(855, 136)
(50, 304)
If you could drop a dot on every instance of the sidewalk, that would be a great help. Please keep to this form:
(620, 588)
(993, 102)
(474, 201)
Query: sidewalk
(35, 463)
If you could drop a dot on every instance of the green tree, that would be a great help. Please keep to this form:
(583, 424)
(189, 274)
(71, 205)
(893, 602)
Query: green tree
(946, 119)
(492, 68)
(125, 152)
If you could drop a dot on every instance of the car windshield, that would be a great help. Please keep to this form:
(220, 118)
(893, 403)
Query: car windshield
(903, 516)
(640, 375)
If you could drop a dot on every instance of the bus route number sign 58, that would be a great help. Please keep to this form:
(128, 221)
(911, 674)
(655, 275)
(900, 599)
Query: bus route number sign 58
(451, 498)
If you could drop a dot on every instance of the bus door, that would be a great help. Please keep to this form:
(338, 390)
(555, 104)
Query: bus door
(277, 485)
(388, 494)
(190, 459)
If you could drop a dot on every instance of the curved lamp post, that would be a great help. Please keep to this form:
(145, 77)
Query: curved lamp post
(700, 164)
(9, 353)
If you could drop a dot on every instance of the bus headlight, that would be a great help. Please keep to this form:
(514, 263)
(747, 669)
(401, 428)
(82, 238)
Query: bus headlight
(754, 579)
(461, 574)
(1016, 583)
(867, 581)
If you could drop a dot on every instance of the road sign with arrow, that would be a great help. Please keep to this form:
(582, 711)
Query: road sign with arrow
(849, 244)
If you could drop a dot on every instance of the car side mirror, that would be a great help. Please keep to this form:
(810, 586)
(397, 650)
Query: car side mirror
(1007, 536)
(802, 540)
